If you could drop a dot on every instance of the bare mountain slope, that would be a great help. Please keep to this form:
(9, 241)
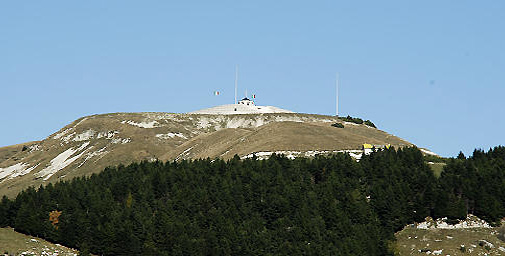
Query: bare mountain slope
(91, 143)
(281, 137)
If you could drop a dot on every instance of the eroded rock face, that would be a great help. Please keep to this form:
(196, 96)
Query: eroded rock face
(90, 144)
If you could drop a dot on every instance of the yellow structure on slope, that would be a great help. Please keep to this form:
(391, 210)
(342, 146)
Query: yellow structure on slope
(369, 148)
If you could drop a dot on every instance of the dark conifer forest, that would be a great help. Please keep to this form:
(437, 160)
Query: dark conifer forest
(327, 205)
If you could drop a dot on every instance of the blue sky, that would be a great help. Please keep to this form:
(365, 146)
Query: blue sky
(431, 72)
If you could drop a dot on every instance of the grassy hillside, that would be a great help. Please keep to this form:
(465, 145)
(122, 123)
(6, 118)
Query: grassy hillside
(90, 144)
(12, 151)
(281, 136)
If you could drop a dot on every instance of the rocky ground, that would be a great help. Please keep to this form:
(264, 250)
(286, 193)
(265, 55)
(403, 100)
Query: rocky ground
(436, 237)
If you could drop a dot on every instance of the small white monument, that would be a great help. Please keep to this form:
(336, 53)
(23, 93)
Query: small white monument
(246, 101)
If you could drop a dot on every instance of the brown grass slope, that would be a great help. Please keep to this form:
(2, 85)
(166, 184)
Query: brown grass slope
(10, 151)
(281, 136)
(91, 143)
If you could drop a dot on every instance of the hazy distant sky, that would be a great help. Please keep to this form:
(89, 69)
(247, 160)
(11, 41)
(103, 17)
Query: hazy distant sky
(431, 72)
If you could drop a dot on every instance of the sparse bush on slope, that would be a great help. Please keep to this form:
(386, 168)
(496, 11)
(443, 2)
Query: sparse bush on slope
(338, 125)
(369, 123)
(351, 119)
(357, 120)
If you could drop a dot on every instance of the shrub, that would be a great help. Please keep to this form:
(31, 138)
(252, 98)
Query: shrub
(357, 120)
(369, 123)
(338, 125)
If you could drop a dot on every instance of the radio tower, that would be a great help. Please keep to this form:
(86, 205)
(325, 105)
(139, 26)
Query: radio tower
(236, 82)
(336, 85)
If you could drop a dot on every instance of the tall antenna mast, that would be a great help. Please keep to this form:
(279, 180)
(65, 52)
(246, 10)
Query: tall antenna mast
(336, 84)
(236, 82)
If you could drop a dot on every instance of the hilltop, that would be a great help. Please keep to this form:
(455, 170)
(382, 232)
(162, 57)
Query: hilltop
(91, 143)
(244, 106)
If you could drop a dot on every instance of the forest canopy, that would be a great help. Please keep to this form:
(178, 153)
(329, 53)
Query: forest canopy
(327, 205)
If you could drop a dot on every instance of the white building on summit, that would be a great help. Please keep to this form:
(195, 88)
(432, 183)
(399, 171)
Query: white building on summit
(246, 101)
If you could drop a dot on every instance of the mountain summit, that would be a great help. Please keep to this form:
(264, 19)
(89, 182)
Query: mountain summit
(244, 106)
(91, 143)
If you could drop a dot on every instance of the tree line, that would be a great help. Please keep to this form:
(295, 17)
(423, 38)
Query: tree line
(326, 205)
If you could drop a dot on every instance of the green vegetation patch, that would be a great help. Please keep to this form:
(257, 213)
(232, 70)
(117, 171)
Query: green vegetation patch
(357, 120)
(437, 168)
(338, 125)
